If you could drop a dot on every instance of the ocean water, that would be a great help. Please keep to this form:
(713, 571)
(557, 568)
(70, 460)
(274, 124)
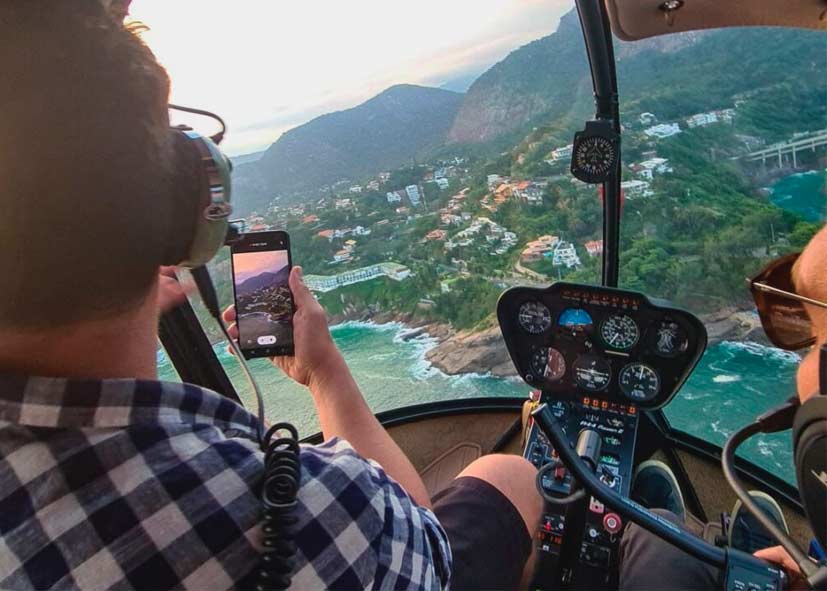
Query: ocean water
(732, 384)
(802, 193)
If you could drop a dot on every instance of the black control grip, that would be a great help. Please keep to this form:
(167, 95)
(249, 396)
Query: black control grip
(740, 571)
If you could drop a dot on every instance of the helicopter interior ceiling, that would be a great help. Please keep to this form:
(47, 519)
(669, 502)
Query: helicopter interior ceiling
(638, 19)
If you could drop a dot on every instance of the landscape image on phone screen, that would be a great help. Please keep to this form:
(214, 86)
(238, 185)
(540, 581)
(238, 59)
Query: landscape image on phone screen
(263, 302)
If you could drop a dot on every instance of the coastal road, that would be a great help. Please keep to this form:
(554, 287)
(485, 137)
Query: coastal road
(529, 273)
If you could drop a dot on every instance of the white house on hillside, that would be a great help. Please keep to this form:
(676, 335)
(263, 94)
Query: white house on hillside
(663, 130)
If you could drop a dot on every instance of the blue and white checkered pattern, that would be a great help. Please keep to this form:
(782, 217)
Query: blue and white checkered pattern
(129, 484)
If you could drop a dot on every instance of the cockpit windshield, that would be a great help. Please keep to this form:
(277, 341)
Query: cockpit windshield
(419, 158)
(723, 171)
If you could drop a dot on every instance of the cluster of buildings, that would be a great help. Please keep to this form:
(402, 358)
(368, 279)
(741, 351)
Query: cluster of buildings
(331, 234)
(324, 283)
(649, 168)
(565, 255)
(345, 254)
(664, 130)
(412, 192)
(558, 154)
(561, 253)
(540, 248)
(493, 232)
(502, 189)
(710, 117)
(636, 188)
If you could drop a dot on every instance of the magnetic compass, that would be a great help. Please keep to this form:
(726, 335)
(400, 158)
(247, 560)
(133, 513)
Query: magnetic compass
(595, 152)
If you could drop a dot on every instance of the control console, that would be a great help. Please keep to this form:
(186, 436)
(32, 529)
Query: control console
(599, 356)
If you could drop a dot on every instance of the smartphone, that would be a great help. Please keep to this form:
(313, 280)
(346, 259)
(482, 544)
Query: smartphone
(261, 264)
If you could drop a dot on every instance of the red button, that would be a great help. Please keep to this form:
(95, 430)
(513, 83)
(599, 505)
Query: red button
(612, 523)
(559, 473)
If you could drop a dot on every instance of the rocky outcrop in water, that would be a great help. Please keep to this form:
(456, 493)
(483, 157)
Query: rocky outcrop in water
(473, 352)
(484, 352)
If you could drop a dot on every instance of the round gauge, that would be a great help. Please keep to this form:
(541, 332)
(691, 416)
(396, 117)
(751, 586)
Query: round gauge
(592, 373)
(594, 156)
(670, 339)
(534, 317)
(619, 331)
(549, 363)
(639, 382)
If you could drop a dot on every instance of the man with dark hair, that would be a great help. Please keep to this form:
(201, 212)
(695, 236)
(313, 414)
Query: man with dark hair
(110, 478)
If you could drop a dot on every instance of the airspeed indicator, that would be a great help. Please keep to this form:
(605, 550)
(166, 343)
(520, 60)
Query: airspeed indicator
(534, 317)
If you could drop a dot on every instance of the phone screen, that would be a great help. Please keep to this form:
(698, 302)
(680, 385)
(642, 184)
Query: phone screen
(264, 305)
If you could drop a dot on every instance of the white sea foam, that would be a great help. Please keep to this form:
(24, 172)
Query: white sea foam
(760, 350)
(385, 326)
(805, 173)
(726, 379)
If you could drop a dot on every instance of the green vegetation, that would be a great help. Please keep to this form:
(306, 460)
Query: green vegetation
(702, 225)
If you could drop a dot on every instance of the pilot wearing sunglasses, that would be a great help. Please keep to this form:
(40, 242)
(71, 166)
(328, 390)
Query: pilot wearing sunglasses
(791, 297)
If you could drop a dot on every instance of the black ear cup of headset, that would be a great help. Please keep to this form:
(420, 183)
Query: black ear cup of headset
(201, 199)
(810, 445)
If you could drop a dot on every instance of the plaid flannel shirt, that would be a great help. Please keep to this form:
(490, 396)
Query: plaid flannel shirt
(129, 484)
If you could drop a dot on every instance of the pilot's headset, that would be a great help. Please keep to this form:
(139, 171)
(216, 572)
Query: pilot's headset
(810, 448)
(201, 194)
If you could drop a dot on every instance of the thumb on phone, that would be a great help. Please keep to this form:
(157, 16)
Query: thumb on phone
(301, 294)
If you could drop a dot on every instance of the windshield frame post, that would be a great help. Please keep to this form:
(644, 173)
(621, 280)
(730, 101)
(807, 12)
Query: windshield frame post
(191, 353)
(597, 34)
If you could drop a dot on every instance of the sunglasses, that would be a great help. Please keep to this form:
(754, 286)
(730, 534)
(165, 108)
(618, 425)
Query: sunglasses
(783, 315)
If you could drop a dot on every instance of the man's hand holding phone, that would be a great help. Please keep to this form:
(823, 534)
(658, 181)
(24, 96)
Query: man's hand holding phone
(316, 362)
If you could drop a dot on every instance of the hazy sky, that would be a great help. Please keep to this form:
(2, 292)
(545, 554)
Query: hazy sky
(267, 66)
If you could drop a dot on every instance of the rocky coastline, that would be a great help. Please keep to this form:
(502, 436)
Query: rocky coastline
(483, 351)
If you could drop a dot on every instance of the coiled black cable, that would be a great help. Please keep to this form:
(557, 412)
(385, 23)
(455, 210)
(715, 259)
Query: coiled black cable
(282, 478)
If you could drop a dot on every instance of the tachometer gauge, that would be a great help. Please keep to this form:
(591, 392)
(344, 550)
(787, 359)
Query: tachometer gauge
(619, 331)
(592, 373)
(670, 339)
(548, 363)
(534, 317)
(639, 382)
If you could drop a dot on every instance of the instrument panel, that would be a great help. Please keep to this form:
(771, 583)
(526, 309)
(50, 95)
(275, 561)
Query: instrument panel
(590, 340)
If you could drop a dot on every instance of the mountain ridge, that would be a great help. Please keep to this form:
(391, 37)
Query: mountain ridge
(386, 131)
(262, 280)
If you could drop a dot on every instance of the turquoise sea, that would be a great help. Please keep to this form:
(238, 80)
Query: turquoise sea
(802, 193)
(733, 383)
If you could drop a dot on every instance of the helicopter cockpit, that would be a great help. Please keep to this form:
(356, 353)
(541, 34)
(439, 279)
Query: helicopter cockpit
(602, 354)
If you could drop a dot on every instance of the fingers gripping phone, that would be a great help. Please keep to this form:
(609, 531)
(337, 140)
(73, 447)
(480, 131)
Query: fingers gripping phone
(264, 308)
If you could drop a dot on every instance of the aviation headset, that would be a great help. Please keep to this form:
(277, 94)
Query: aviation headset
(201, 198)
(810, 449)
